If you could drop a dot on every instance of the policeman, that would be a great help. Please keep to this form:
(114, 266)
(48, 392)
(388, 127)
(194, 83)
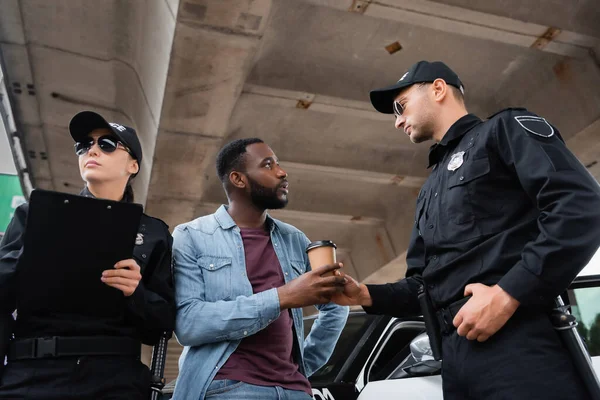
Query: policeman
(92, 357)
(504, 223)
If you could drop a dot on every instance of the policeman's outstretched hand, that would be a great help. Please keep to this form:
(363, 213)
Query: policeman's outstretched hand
(485, 313)
(125, 276)
(354, 294)
(311, 288)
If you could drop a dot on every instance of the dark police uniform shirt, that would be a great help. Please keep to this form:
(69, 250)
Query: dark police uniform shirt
(506, 203)
(150, 309)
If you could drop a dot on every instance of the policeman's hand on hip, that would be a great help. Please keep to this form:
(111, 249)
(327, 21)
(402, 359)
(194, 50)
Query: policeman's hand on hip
(125, 276)
(485, 313)
(311, 288)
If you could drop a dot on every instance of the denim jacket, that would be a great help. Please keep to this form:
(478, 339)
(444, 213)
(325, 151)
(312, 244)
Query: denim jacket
(216, 307)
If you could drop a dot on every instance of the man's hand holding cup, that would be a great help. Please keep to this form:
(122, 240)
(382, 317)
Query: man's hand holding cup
(318, 285)
(314, 287)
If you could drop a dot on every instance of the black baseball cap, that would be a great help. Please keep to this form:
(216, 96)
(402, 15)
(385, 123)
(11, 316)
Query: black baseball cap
(86, 121)
(423, 71)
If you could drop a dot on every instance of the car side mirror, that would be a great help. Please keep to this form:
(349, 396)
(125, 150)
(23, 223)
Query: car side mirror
(420, 349)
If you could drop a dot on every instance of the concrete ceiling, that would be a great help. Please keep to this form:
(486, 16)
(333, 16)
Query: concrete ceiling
(191, 75)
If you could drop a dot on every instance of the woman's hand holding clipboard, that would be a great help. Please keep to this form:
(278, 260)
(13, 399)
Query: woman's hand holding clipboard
(126, 276)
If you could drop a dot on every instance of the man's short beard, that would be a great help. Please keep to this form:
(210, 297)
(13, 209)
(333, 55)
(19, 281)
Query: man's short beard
(265, 198)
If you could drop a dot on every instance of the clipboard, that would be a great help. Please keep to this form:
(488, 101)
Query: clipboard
(69, 241)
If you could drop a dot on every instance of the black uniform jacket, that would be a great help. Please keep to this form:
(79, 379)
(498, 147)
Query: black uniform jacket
(506, 203)
(150, 310)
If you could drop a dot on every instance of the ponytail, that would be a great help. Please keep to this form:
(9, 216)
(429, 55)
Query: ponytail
(128, 196)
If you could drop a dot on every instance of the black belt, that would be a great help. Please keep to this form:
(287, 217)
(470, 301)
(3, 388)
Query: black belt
(73, 346)
(446, 315)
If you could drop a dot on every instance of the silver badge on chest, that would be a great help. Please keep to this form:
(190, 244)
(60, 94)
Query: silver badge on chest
(139, 240)
(456, 160)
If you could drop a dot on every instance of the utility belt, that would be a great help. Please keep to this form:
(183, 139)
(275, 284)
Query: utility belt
(438, 322)
(446, 315)
(73, 346)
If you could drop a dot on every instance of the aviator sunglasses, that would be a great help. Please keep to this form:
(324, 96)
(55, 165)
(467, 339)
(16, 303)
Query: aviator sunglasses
(398, 108)
(108, 144)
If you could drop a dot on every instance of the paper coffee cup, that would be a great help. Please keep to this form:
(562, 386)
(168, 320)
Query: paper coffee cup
(321, 253)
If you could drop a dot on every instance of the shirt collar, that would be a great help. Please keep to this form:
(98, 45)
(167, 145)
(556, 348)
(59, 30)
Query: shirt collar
(456, 131)
(226, 222)
(86, 193)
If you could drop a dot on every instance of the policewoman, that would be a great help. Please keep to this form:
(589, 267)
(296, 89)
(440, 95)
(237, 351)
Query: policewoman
(92, 358)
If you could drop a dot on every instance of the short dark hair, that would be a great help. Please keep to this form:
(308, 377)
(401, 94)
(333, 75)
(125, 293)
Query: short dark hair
(231, 157)
(458, 94)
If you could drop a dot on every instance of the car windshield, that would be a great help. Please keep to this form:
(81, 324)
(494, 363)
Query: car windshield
(593, 267)
(585, 305)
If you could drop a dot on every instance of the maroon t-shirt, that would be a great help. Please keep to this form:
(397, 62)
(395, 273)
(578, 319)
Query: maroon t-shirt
(265, 358)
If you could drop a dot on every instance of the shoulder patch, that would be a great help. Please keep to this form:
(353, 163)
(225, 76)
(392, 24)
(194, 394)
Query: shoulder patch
(535, 125)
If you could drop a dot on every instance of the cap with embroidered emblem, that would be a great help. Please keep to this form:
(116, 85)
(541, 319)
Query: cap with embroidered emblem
(85, 122)
(423, 71)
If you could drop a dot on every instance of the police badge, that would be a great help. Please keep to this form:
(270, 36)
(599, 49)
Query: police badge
(139, 240)
(456, 160)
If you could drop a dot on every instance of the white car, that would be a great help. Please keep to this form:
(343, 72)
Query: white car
(381, 358)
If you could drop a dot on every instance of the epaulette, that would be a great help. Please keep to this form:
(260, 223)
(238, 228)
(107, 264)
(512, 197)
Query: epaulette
(506, 109)
(160, 221)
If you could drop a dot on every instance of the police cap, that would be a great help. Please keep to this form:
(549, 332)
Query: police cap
(86, 121)
(423, 71)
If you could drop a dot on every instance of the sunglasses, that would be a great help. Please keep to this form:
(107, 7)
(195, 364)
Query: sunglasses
(398, 108)
(108, 144)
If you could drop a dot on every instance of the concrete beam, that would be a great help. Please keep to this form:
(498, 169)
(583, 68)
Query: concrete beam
(11, 26)
(213, 51)
(595, 171)
(586, 146)
(314, 102)
(355, 175)
(344, 255)
(391, 272)
(461, 21)
(129, 66)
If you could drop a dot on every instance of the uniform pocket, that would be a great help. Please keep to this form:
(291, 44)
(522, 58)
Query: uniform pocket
(463, 191)
(471, 171)
(216, 272)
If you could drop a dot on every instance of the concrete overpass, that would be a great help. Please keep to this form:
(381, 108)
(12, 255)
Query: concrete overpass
(190, 75)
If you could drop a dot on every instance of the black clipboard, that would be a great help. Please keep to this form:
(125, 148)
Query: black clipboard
(69, 240)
